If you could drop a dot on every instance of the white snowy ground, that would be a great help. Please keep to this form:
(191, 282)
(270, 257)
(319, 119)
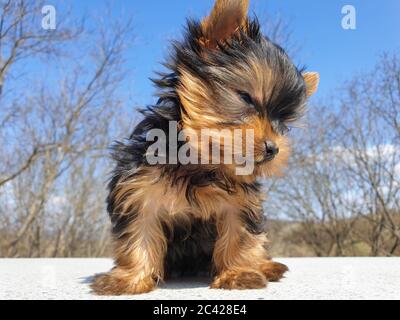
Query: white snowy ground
(309, 278)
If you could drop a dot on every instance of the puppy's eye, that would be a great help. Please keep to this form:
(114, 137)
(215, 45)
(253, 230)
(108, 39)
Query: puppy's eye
(246, 97)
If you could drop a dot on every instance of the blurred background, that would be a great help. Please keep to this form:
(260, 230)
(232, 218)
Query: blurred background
(67, 93)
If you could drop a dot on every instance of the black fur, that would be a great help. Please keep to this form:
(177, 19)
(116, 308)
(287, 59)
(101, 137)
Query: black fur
(190, 248)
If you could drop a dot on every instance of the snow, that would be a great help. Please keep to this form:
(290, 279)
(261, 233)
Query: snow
(309, 278)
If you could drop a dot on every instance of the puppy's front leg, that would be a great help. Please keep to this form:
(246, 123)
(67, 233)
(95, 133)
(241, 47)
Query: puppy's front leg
(140, 249)
(240, 257)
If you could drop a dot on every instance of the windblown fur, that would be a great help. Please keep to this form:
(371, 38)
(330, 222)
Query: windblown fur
(174, 219)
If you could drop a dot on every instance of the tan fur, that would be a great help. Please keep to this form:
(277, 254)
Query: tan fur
(236, 247)
(312, 82)
(140, 250)
(225, 19)
(120, 281)
(240, 279)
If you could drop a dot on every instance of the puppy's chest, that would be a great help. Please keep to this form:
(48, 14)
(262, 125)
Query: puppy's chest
(199, 202)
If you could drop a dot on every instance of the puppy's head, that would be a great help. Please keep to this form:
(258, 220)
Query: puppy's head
(231, 76)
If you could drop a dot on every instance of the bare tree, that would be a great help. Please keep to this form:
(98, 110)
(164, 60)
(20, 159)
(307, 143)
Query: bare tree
(53, 169)
(21, 39)
(370, 136)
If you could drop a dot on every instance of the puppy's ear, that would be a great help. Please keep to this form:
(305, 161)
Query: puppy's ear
(225, 19)
(312, 82)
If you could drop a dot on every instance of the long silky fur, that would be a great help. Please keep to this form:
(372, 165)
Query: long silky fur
(191, 243)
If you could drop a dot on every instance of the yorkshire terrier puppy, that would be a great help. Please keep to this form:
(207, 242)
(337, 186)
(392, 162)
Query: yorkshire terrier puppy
(178, 218)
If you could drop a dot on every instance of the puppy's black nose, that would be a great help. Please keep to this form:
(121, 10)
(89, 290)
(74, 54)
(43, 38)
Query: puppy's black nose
(271, 150)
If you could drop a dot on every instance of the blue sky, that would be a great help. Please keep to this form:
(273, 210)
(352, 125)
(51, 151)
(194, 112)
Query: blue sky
(325, 47)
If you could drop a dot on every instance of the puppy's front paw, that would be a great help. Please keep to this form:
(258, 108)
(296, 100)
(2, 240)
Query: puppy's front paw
(240, 280)
(118, 283)
(273, 271)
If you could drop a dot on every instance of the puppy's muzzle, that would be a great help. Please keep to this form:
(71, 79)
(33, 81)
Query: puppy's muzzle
(271, 150)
